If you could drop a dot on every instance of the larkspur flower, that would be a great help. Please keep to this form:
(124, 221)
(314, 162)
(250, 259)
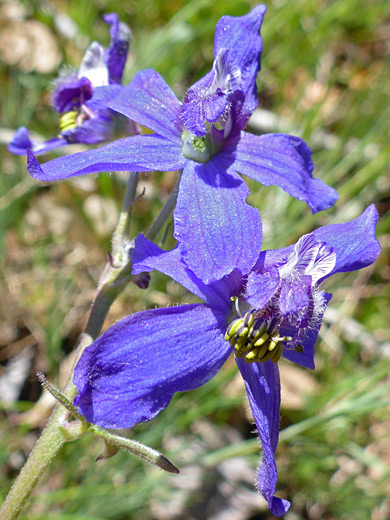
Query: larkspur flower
(130, 373)
(80, 97)
(204, 137)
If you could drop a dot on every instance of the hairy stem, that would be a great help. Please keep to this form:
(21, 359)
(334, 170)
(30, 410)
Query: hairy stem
(114, 278)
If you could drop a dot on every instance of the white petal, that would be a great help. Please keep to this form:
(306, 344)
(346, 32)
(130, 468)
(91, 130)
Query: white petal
(227, 76)
(93, 66)
(324, 264)
(309, 258)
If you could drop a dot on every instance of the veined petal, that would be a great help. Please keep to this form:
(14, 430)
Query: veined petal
(294, 295)
(354, 242)
(306, 357)
(92, 131)
(261, 287)
(21, 142)
(101, 96)
(216, 229)
(241, 35)
(130, 373)
(116, 54)
(263, 388)
(147, 256)
(134, 154)
(284, 161)
(208, 99)
(150, 102)
(71, 92)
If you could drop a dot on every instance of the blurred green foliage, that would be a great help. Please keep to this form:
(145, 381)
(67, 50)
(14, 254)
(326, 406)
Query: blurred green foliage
(325, 77)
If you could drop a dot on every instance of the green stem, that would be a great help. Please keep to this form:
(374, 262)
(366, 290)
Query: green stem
(164, 214)
(114, 278)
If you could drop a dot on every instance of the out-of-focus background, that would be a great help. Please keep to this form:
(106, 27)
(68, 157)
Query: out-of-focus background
(325, 77)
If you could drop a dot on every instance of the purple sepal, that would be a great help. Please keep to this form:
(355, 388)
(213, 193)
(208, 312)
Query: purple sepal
(213, 223)
(284, 161)
(102, 96)
(116, 54)
(71, 92)
(21, 142)
(147, 256)
(136, 154)
(130, 373)
(149, 101)
(263, 388)
(354, 243)
(92, 131)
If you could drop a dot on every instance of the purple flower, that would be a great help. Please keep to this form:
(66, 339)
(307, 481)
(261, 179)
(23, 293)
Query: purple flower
(204, 137)
(81, 96)
(130, 373)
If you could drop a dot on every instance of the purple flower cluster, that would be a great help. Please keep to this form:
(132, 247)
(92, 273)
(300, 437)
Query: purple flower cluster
(80, 97)
(258, 305)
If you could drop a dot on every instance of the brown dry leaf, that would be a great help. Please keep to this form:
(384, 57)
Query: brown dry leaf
(29, 45)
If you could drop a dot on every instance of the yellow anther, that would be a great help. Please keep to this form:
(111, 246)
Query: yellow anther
(268, 355)
(68, 120)
(232, 329)
(256, 354)
(264, 338)
(273, 344)
(277, 354)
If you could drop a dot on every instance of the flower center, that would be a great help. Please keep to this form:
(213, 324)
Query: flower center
(255, 337)
(196, 148)
(74, 118)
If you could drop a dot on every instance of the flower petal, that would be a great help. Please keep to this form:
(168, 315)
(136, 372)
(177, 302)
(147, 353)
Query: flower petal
(294, 295)
(91, 131)
(284, 161)
(306, 357)
(93, 66)
(208, 99)
(216, 229)
(150, 102)
(116, 54)
(21, 142)
(241, 35)
(134, 154)
(354, 242)
(261, 287)
(71, 92)
(263, 388)
(147, 256)
(130, 373)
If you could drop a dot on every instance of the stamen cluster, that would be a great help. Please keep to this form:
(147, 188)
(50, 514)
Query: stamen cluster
(255, 337)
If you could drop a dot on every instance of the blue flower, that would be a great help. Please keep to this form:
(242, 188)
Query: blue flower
(81, 96)
(204, 137)
(130, 373)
